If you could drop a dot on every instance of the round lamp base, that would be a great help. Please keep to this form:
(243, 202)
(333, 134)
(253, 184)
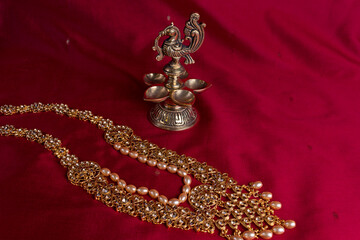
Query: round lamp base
(173, 119)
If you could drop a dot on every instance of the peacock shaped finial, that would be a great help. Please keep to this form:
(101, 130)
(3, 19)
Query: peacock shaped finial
(173, 46)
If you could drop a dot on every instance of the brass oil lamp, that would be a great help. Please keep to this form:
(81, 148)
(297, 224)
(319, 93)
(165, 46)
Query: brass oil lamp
(173, 93)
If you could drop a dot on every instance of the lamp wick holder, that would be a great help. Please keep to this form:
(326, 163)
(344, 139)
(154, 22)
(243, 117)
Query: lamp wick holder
(174, 96)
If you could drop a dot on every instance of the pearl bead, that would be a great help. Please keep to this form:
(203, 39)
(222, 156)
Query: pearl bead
(248, 235)
(117, 146)
(153, 193)
(174, 202)
(277, 229)
(181, 172)
(142, 190)
(257, 185)
(124, 151)
(236, 238)
(151, 162)
(130, 188)
(105, 171)
(289, 224)
(163, 199)
(266, 195)
(142, 159)
(122, 183)
(172, 168)
(186, 189)
(161, 165)
(182, 197)
(275, 205)
(133, 154)
(266, 234)
(187, 180)
(114, 177)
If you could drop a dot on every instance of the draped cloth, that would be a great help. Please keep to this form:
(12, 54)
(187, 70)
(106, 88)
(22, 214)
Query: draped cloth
(283, 109)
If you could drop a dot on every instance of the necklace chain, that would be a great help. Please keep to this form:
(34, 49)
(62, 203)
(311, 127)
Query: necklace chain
(236, 211)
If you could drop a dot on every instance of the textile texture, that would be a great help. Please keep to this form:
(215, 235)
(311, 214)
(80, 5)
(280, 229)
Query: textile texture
(283, 109)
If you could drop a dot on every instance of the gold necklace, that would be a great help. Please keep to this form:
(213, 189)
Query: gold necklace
(236, 211)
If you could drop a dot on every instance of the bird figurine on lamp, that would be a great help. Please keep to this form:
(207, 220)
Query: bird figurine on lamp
(174, 96)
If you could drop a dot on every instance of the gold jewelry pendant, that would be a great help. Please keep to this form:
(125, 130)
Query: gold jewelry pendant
(219, 203)
(237, 211)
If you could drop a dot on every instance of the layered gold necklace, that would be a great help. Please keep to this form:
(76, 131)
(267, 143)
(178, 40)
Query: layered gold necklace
(219, 203)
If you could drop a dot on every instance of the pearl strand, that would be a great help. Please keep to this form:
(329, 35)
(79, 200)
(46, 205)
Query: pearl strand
(153, 193)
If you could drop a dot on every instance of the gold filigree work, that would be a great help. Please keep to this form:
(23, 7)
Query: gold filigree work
(203, 197)
(236, 211)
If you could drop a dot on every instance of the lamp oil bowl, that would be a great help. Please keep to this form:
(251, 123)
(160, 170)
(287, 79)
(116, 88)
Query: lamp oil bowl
(173, 94)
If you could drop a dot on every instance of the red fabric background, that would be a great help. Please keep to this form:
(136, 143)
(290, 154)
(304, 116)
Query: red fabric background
(283, 109)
